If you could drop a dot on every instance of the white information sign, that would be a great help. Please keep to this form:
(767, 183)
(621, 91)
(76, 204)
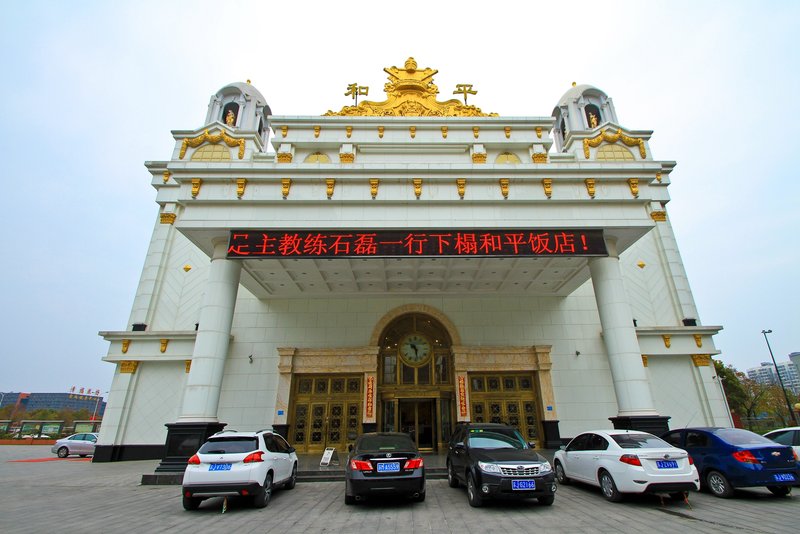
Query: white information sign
(329, 457)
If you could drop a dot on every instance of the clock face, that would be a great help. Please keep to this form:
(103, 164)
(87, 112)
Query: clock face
(415, 349)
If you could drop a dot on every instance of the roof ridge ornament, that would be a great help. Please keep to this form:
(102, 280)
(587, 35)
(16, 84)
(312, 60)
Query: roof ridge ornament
(412, 93)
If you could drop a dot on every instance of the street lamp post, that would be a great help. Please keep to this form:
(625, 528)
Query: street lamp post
(780, 380)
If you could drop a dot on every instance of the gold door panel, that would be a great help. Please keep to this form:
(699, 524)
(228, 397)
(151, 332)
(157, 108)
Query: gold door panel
(505, 398)
(324, 410)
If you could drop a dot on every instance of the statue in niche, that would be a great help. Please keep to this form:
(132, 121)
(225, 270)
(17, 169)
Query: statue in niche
(230, 118)
(592, 120)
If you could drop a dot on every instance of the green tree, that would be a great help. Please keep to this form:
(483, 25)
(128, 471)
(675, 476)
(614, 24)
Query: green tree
(732, 385)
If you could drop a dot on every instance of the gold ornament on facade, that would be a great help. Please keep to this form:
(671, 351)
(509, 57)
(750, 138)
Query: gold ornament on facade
(230, 118)
(658, 216)
(504, 187)
(168, 218)
(464, 89)
(641, 264)
(348, 131)
(633, 183)
(476, 131)
(667, 340)
(330, 183)
(166, 176)
(187, 366)
(658, 177)
(413, 131)
(373, 187)
(698, 340)
(284, 131)
(317, 130)
(195, 142)
(187, 268)
(539, 157)
(241, 183)
(196, 183)
(461, 186)
(644, 360)
(701, 360)
(410, 92)
(478, 157)
(507, 131)
(286, 184)
(444, 132)
(417, 187)
(284, 157)
(164, 343)
(380, 132)
(590, 186)
(613, 138)
(592, 120)
(539, 132)
(128, 367)
(346, 157)
(125, 344)
(547, 183)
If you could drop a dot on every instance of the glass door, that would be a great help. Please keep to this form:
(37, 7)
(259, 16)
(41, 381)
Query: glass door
(418, 420)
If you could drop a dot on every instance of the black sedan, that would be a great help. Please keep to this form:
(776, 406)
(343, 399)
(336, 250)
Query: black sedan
(493, 460)
(384, 463)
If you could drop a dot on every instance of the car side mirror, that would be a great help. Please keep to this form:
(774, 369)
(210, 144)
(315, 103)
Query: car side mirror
(349, 447)
(291, 450)
(562, 447)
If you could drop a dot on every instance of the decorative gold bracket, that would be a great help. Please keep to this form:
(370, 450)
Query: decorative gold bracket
(125, 344)
(166, 176)
(590, 186)
(373, 187)
(667, 340)
(507, 131)
(187, 366)
(286, 184)
(633, 183)
(413, 131)
(213, 139)
(547, 183)
(644, 360)
(241, 183)
(380, 132)
(539, 132)
(444, 132)
(417, 187)
(164, 343)
(284, 131)
(504, 187)
(698, 340)
(316, 131)
(196, 183)
(329, 185)
(461, 185)
(613, 138)
(348, 130)
(476, 131)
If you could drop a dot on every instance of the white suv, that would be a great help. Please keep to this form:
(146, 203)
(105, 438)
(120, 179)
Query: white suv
(246, 464)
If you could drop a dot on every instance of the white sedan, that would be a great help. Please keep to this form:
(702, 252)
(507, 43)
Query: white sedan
(626, 461)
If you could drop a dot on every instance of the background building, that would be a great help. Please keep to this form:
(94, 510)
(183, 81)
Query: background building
(765, 374)
(55, 401)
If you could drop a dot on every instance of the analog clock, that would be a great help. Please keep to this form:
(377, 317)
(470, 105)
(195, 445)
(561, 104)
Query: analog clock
(415, 349)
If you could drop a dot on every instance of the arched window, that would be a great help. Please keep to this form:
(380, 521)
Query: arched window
(233, 108)
(317, 157)
(593, 117)
(212, 153)
(614, 153)
(563, 128)
(507, 157)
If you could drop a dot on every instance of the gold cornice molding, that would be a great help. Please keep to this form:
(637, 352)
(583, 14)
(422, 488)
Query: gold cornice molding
(284, 157)
(701, 360)
(168, 218)
(411, 92)
(207, 137)
(658, 216)
(128, 367)
(539, 157)
(604, 135)
(347, 157)
(478, 157)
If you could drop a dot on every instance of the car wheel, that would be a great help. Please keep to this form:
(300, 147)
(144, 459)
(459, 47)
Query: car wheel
(262, 500)
(452, 481)
(547, 500)
(349, 499)
(561, 476)
(63, 452)
(718, 485)
(292, 479)
(191, 503)
(780, 491)
(475, 500)
(609, 488)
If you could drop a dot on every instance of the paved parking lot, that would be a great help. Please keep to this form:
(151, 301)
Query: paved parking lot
(64, 495)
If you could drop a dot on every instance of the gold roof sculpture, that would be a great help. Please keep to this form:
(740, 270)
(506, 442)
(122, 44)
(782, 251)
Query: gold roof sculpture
(411, 93)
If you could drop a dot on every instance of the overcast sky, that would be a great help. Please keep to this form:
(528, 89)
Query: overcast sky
(91, 91)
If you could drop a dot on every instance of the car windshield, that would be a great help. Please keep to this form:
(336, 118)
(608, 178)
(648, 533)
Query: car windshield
(385, 443)
(639, 441)
(229, 445)
(495, 439)
(738, 436)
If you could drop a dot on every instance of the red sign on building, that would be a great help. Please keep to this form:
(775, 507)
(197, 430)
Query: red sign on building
(462, 396)
(370, 391)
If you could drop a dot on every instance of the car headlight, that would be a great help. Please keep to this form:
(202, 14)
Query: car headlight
(489, 468)
(545, 468)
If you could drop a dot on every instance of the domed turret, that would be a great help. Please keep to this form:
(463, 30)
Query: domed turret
(583, 108)
(240, 106)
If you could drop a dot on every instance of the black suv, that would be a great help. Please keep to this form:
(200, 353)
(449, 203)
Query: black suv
(493, 460)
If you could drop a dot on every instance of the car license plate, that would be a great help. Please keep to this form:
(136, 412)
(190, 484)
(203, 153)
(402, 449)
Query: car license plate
(388, 467)
(666, 464)
(784, 477)
(523, 484)
(219, 467)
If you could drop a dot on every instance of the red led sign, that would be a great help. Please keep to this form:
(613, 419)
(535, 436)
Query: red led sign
(414, 243)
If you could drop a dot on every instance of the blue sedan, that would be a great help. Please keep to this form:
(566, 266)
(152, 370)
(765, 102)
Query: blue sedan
(729, 458)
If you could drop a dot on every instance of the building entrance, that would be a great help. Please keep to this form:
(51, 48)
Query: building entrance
(418, 420)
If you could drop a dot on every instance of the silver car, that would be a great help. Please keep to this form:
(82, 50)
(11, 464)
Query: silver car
(80, 444)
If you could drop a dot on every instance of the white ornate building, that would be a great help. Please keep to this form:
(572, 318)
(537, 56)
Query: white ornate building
(404, 265)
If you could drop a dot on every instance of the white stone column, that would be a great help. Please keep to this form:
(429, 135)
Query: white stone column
(631, 384)
(201, 396)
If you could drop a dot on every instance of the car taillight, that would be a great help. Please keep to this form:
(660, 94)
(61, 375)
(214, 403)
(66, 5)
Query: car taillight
(194, 460)
(414, 463)
(253, 457)
(691, 460)
(360, 465)
(745, 457)
(630, 459)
